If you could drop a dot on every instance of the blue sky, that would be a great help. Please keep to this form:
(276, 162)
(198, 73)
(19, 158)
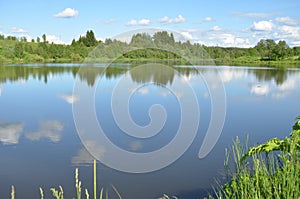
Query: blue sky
(215, 22)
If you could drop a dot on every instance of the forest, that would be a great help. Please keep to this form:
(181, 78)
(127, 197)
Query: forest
(142, 46)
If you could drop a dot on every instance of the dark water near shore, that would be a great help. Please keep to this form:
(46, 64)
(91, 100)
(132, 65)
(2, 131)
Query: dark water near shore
(40, 146)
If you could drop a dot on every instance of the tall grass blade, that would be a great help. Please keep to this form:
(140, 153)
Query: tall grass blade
(95, 180)
(101, 193)
(41, 193)
(12, 192)
(118, 193)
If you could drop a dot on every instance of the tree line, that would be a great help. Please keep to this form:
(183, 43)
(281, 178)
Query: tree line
(13, 49)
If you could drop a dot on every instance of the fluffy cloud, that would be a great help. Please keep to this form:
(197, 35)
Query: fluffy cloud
(54, 39)
(285, 32)
(216, 28)
(229, 40)
(286, 21)
(11, 132)
(143, 22)
(67, 13)
(187, 36)
(208, 19)
(263, 26)
(49, 129)
(167, 20)
(18, 30)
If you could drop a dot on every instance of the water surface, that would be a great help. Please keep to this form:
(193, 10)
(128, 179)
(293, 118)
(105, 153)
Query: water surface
(40, 147)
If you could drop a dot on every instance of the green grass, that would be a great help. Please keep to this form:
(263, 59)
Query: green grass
(270, 170)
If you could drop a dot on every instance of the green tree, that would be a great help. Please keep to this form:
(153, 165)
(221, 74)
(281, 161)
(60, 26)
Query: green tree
(44, 38)
(19, 50)
(282, 49)
(90, 39)
(141, 40)
(266, 49)
(163, 38)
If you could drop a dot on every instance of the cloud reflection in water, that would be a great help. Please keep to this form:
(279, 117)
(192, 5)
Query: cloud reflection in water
(11, 132)
(69, 98)
(50, 129)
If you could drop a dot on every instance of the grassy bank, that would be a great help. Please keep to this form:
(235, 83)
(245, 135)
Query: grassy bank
(270, 170)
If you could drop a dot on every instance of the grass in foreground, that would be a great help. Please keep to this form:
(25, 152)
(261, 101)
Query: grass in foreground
(270, 170)
(59, 193)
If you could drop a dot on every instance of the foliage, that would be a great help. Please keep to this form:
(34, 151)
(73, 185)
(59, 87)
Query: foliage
(289, 145)
(19, 50)
(270, 50)
(265, 175)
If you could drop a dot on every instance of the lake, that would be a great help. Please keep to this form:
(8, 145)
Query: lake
(42, 139)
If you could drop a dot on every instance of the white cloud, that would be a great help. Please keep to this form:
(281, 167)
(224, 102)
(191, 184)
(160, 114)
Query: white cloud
(208, 19)
(216, 28)
(260, 89)
(296, 43)
(55, 39)
(286, 21)
(187, 36)
(10, 132)
(67, 13)
(227, 38)
(18, 30)
(288, 32)
(143, 22)
(69, 98)
(263, 26)
(167, 20)
(49, 129)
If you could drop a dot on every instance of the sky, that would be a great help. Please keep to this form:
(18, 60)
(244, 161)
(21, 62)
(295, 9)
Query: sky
(228, 23)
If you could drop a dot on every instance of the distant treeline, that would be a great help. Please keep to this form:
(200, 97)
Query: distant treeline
(89, 75)
(160, 46)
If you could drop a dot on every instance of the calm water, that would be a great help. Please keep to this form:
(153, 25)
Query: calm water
(40, 146)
